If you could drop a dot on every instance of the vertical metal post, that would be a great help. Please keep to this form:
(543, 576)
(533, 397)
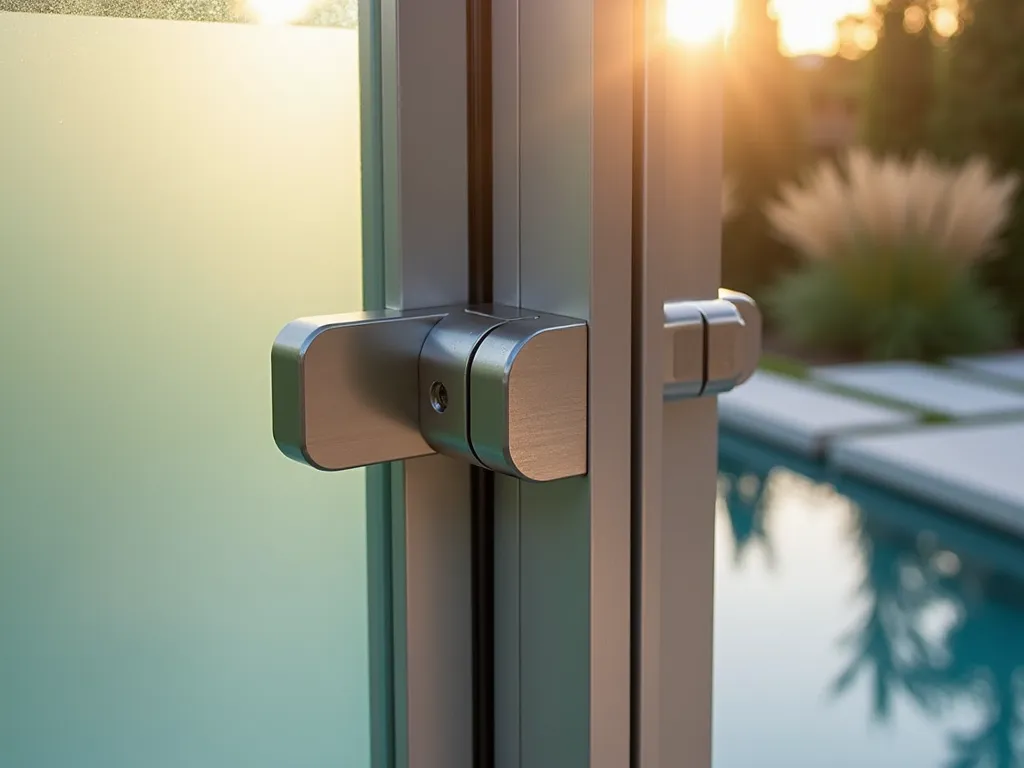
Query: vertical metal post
(677, 252)
(562, 165)
(425, 544)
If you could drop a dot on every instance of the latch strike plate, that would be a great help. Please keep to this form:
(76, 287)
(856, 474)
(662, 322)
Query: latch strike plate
(712, 345)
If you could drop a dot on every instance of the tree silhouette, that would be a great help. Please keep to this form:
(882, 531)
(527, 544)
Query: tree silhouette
(763, 144)
(887, 643)
(984, 657)
(980, 658)
(984, 113)
(902, 91)
(943, 617)
(745, 496)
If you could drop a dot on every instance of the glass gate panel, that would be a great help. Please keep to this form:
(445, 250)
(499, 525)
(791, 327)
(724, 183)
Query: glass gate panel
(173, 591)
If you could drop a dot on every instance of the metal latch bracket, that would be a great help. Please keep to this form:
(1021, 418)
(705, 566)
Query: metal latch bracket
(500, 387)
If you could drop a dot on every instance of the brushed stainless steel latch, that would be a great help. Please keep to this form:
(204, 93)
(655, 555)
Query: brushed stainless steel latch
(499, 387)
(712, 345)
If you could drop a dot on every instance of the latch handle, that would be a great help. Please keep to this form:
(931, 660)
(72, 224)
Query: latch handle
(345, 388)
(500, 387)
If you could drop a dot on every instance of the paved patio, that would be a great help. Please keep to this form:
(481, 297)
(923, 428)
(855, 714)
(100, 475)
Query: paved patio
(930, 388)
(875, 421)
(800, 416)
(972, 469)
(1008, 367)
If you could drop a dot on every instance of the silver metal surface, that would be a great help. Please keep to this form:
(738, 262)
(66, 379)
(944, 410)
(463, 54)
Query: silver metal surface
(675, 442)
(444, 363)
(748, 349)
(508, 696)
(684, 349)
(431, 578)
(563, 149)
(425, 156)
(733, 342)
(725, 343)
(370, 387)
(426, 247)
(529, 399)
(345, 386)
(505, 150)
(711, 345)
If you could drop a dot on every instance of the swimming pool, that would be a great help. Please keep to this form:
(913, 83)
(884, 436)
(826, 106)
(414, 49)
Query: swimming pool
(856, 628)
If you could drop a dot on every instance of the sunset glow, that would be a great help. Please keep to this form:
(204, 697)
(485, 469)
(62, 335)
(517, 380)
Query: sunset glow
(700, 21)
(824, 27)
(811, 26)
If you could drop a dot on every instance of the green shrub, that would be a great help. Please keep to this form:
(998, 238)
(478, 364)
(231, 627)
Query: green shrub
(889, 251)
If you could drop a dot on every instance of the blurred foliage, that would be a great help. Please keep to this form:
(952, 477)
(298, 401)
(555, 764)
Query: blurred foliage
(764, 145)
(983, 112)
(332, 13)
(784, 366)
(818, 307)
(918, 89)
(889, 250)
(901, 93)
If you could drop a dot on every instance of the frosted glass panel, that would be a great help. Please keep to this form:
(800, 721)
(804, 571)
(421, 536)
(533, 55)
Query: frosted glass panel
(173, 592)
(340, 13)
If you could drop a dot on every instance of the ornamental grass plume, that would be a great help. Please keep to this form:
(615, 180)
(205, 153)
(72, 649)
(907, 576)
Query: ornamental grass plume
(960, 210)
(888, 250)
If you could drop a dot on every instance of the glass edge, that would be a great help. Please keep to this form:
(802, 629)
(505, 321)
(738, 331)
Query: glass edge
(378, 477)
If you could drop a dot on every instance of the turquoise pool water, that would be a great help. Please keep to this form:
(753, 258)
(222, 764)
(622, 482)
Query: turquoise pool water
(855, 628)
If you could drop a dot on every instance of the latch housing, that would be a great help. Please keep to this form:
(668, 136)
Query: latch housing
(502, 388)
(496, 386)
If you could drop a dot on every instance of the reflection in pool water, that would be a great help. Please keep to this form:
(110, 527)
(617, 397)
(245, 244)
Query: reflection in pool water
(854, 628)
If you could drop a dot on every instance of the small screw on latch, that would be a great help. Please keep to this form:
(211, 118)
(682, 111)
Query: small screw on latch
(439, 397)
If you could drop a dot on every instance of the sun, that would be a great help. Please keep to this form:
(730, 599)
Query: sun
(700, 22)
(278, 11)
(811, 26)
